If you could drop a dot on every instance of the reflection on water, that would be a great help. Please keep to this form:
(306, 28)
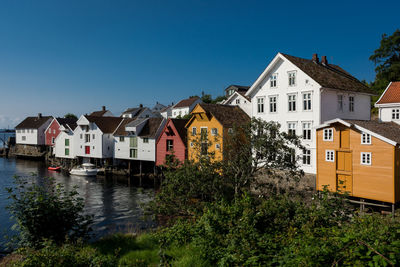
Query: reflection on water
(115, 205)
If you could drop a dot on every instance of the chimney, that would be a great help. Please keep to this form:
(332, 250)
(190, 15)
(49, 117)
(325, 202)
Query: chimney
(141, 105)
(315, 58)
(324, 61)
(157, 102)
(104, 108)
(39, 115)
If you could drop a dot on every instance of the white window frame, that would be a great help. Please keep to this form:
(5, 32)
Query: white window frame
(328, 134)
(292, 102)
(292, 126)
(194, 131)
(307, 101)
(306, 153)
(274, 80)
(351, 103)
(395, 114)
(292, 78)
(330, 155)
(308, 129)
(214, 131)
(366, 158)
(217, 146)
(237, 101)
(273, 105)
(365, 138)
(340, 102)
(261, 105)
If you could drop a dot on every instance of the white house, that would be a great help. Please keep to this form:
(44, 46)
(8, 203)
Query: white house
(241, 100)
(301, 94)
(64, 142)
(185, 106)
(102, 113)
(31, 131)
(158, 107)
(166, 112)
(389, 103)
(94, 140)
(231, 89)
(135, 139)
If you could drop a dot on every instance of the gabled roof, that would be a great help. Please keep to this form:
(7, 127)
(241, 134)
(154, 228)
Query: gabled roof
(106, 124)
(165, 109)
(99, 113)
(243, 94)
(158, 106)
(391, 94)
(180, 128)
(151, 127)
(241, 88)
(186, 102)
(227, 115)
(67, 122)
(120, 131)
(386, 131)
(33, 122)
(133, 111)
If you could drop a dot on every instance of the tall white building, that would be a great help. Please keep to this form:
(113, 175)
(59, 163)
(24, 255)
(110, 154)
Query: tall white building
(300, 94)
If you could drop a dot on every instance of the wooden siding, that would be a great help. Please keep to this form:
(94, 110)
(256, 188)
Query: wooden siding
(376, 181)
(49, 134)
(179, 147)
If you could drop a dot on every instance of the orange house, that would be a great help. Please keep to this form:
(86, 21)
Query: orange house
(209, 126)
(361, 158)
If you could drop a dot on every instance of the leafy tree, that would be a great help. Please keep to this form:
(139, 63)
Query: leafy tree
(387, 61)
(70, 116)
(45, 210)
(218, 99)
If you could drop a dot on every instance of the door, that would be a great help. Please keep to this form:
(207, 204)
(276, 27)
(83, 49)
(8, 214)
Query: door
(345, 139)
(87, 150)
(344, 161)
(344, 183)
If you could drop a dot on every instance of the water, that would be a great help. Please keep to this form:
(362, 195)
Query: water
(116, 206)
(4, 136)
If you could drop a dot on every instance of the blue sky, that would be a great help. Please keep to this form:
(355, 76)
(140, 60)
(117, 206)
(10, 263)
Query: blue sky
(75, 56)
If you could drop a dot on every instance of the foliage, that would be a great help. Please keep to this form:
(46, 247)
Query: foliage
(43, 209)
(70, 116)
(387, 61)
(69, 254)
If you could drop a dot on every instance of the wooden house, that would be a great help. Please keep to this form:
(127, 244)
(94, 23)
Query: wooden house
(53, 130)
(209, 126)
(359, 157)
(389, 103)
(172, 141)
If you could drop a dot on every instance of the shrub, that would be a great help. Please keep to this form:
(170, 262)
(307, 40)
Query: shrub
(47, 211)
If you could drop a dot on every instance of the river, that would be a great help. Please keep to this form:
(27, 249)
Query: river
(116, 206)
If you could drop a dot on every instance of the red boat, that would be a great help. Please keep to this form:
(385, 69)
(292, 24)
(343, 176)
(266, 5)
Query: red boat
(54, 168)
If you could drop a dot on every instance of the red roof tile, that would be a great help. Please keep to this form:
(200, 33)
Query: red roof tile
(186, 102)
(391, 95)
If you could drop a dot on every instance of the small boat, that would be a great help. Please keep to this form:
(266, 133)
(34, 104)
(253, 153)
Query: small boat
(86, 169)
(58, 168)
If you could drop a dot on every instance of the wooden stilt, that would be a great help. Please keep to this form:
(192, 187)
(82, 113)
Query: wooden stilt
(393, 209)
(140, 170)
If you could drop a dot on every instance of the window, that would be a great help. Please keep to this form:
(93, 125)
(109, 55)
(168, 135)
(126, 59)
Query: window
(365, 139)
(340, 102)
(204, 148)
(122, 139)
(366, 158)
(133, 141)
(272, 104)
(230, 130)
(273, 80)
(67, 152)
(52, 140)
(203, 134)
(260, 105)
(87, 150)
(306, 157)
(145, 140)
(54, 131)
(31, 131)
(66, 142)
(170, 145)
(87, 138)
(81, 136)
(23, 131)
(93, 136)
(328, 134)
(330, 155)
(133, 153)
(214, 131)
(237, 101)
(23, 138)
(292, 102)
(194, 131)
(217, 146)
(292, 78)
(307, 130)
(395, 114)
(191, 144)
(351, 103)
(307, 101)
(291, 128)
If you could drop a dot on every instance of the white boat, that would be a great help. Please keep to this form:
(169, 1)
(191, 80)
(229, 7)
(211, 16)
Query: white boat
(86, 169)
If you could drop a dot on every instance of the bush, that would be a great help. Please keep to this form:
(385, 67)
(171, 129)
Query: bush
(46, 211)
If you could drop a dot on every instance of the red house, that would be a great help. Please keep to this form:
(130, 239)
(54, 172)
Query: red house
(53, 129)
(172, 140)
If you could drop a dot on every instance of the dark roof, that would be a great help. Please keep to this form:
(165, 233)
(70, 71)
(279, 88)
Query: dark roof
(67, 122)
(329, 75)
(186, 102)
(133, 111)
(165, 109)
(243, 93)
(106, 124)
(151, 127)
(390, 130)
(227, 115)
(391, 94)
(33, 122)
(180, 128)
(241, 88)
(158, 106)
(120, 131)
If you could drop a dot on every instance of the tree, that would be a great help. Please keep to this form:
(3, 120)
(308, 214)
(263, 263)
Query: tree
(387, 61)
(46, 211)
(70, 116)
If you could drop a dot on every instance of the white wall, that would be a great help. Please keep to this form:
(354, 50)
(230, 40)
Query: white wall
(96, 143)
(244, 104)
(180, 111)
(146, 151)
(59, 145)
(32, 136)
(385, 113)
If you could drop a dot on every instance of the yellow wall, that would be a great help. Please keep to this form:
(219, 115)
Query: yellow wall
(371, 182)
(209, 123)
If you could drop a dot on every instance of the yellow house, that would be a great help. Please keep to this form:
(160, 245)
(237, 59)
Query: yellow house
(209, 126)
